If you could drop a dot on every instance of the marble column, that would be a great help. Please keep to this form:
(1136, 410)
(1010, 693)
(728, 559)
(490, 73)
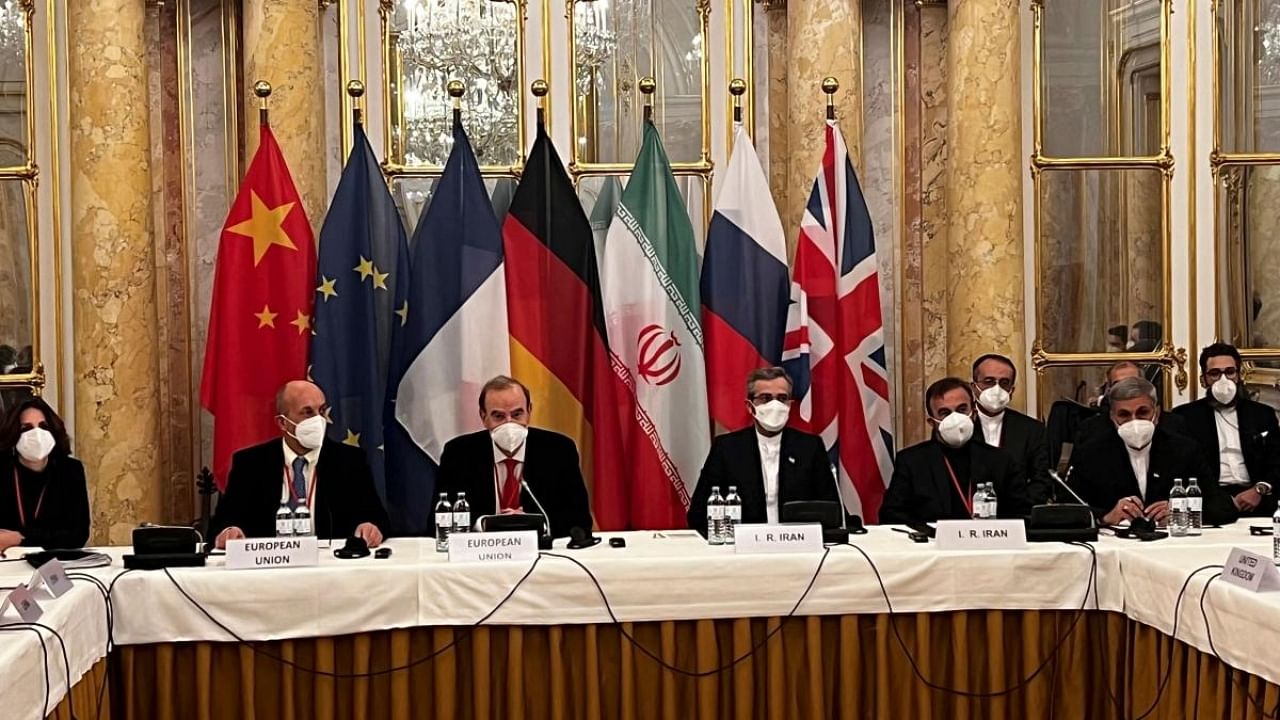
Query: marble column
(282, 46)
(113, 265)
(986, 165)
(824, 38)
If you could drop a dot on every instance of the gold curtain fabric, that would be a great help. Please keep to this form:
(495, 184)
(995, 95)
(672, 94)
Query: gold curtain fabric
(813, 667)
(90, 698)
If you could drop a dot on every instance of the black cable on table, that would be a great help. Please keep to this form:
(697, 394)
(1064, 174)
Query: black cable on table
(1177, 612)
(44, 664)
(1097, 605)
(1204, 615)
(105, 591)
(66, 664)
(678, 670)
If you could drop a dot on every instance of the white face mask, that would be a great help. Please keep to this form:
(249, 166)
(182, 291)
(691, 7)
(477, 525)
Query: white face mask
(509, 436)
(994, 399)
(35, 444)
(1137, 433)
(310, 432)
(955, 429)
(772, 415)
(1224, 391)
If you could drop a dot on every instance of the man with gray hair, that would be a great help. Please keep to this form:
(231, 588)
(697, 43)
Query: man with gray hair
(1128, 474)
(770, 463)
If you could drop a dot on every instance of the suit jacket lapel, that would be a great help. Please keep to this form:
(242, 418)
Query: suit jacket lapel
(944, 488)
(1127, 476)
(786, 468)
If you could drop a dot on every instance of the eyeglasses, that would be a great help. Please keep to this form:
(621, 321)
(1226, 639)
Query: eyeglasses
(1216, 374)
(766, 398)
(987, 383)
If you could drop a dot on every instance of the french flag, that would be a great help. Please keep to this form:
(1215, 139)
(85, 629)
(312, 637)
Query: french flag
(744, 285)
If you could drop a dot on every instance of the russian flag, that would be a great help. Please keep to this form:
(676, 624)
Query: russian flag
(454, 334)
(744, 285)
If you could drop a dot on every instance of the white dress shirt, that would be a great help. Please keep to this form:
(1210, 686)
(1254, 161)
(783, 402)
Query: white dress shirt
(1140, 460)
(770, 459)
(500, 470)
(1232, 470)
(309, 472)
(992, 427)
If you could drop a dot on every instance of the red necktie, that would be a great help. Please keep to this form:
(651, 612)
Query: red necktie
(511, 488)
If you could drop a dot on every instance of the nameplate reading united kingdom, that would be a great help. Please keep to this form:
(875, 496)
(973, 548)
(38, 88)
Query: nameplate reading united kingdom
(517, 545)
(281, 552)
(777, 539)
(1251, 571)
(981, 535)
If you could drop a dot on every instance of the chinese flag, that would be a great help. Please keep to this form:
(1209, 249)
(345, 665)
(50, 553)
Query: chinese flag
(260, 321)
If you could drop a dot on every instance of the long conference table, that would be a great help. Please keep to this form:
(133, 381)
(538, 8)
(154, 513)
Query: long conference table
(667, 627)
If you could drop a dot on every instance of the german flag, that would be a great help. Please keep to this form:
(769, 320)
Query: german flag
(559, 347)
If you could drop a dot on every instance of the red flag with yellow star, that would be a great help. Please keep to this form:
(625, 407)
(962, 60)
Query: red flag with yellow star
(260, 321)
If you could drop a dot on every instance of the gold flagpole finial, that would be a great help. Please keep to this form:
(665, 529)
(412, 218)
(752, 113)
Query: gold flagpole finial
(829, 86)
(262, 89)
(647, 87)
(737, 88)
(456, 90)
(355, 89)
(540, 89)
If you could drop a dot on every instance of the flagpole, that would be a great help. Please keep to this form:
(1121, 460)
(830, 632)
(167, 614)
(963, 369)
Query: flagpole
(647, 86)
(829, 86)
(540, 90)
(456, 89)
(262, 89)
(355, 89)
(737, 87)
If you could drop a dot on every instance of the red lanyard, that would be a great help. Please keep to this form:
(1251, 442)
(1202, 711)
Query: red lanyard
(22, 511)
(311, 487)
(967, 500)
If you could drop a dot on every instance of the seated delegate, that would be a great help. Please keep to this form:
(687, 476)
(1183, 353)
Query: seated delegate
(44, 501)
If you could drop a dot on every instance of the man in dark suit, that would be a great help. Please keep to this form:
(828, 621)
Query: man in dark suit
(1128, 474)
(769, 463)
(1023, 437)
(1237, 436)
(936, 479)
(333, 479)
(510, 467)
(1100, 425)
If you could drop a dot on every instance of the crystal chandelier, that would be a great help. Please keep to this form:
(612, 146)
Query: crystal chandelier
(13, 34)
(1268, 34)
(469, 40)
(593, 45)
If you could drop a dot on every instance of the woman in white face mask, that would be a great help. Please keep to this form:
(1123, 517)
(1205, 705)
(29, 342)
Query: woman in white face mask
(44, 501)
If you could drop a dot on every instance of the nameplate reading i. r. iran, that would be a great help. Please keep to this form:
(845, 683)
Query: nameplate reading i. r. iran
(1251, 571)
(261, 553)
(756, 539)
(981, 534)
(517, 545)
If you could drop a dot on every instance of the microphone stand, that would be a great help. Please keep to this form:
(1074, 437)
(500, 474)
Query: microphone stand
(544, 538)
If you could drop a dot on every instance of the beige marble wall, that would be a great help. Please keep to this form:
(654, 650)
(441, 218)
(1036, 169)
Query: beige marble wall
(779, 121)
(113, 265)
(985, 306)
(282, 46)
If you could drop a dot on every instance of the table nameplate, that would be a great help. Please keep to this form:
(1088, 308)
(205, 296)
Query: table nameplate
(775, 539)
(513, 546)
(281, 552)
(1251, 571)
(981, 535)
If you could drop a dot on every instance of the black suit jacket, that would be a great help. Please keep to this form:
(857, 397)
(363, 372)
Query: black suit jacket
(1102, 474)
(921, 489)
(63, 521)
(804, 473)
(550, 468)
(1259, 439)
(1025, 440)
(345, 494)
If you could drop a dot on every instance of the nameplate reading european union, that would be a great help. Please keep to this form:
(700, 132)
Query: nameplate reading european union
(981, 535)
(516, 545)
(1251, 571)
(282, 552)
(776, 539)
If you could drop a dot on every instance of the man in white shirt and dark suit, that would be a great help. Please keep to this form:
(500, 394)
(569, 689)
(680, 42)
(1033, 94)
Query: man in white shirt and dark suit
(770, 463)
(1237, 436)
(1021, 436)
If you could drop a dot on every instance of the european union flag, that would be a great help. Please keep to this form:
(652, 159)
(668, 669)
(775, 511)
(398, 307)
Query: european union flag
(361, 294)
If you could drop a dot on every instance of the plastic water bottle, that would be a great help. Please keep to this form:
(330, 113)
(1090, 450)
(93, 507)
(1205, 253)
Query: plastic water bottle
(284, 521)
(302, 519)
(732, 515)
(980, 502)
(992, 509)
(1195, 509)
(1275, 536)
(715, 517)
(444, 523)
(462, 514)
(1177, 509)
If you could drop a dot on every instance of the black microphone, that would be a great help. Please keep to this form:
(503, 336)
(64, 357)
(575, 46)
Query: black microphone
(546, 519)
(581, 538)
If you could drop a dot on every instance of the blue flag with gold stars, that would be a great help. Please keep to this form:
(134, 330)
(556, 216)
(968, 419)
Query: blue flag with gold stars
(362, 287)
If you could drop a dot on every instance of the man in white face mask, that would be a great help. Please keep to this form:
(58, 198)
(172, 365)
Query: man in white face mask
(769, 463)
(936, 479)
(1023, 437)
(510, 467)
(1129, 474)
(1237, 435)
(333, 479)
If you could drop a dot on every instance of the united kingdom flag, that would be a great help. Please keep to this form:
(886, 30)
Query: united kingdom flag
(834, 346)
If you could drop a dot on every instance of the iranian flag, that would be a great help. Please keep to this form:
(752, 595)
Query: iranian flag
(649, 280)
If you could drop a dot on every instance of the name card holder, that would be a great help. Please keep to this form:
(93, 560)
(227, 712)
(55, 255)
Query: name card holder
(24, 601)
(484, 547)
(1251, 571)
(53, 577)
(763, 539)
(263, 553)
(981, 535)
